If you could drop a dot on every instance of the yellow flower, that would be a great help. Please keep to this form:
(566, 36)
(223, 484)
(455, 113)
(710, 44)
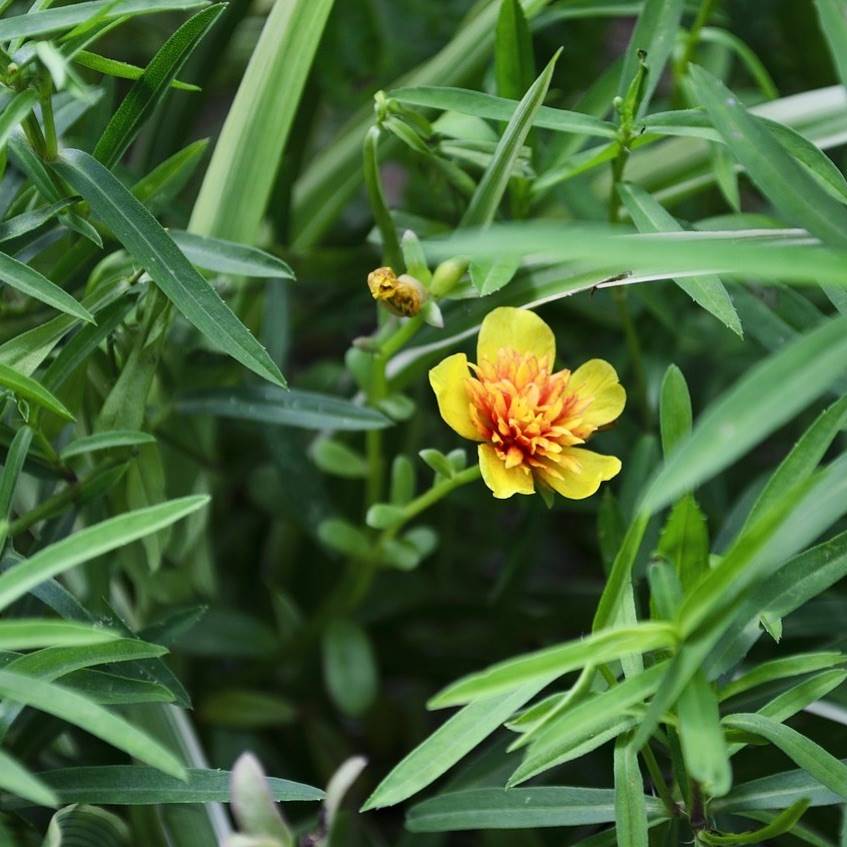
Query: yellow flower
(528, 418)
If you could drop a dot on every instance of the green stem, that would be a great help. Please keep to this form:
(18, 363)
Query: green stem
(377, 392)
(32, 130)
(431, 497)
(619, 293)
(658, 780)
(688, 48)
(51, 139)
(59, 502)
(703, 15)
(391, 250)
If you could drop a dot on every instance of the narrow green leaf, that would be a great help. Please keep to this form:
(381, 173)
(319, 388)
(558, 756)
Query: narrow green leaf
(91, 542)
(481, 105)
(798, 518)
(349, 666)
(514, 65)
(554, 742)
(29, 281)
(782, 823)
(17, 780)
(675, 416)
(26, 388)
(655, 34)
(811, 757)
(701, 736)
(803, 459)
(239, 179)
(778, 791)
(16, 110)
(777, 175)
(82, 345)
(29, 633)
(619, 580)
(771, 393)
(156, 252)
(106, 441)
(15, 458)
(707, 291)
(696, 123)
(110, 689)
(27, 221)
(84, 713)
(495, 180)
(450, 742)
(165, 181)
(269, 405)
(551, 662)
(833, 19)
(150, 87)
(128, 785)
(780, 669)
(121, 70)
(515, 808)
(67, 17)
(630, 803)
(215, 254)
(685, 541)
(755, 66)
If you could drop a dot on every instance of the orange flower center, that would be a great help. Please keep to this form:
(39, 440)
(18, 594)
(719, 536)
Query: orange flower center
(523, 409)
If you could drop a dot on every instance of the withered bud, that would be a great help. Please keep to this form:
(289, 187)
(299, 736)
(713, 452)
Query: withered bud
(402, 295)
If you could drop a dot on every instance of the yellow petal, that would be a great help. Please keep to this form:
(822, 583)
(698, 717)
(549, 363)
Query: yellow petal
(518, 329)
(448, 380)
(596, 382)
(503, 481)
(581, 472)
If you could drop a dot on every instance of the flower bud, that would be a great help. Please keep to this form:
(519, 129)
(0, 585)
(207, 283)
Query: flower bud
(402, 295)
(447, 276)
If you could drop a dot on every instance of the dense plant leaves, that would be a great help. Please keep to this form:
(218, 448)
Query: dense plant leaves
(489, 192)
(499, 108)
(286, 408)
(601, 646)
(90, 542)
(770, 394)
(46, 21)
(450, 742)
(804, 457)
(88, 715)
(707, 291)
(242, 173)
(823, 766)
(156, 252)
(777, 175)
(25, 388)
(149, 88)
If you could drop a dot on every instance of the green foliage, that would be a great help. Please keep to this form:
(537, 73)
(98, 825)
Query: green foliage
(219, 591)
